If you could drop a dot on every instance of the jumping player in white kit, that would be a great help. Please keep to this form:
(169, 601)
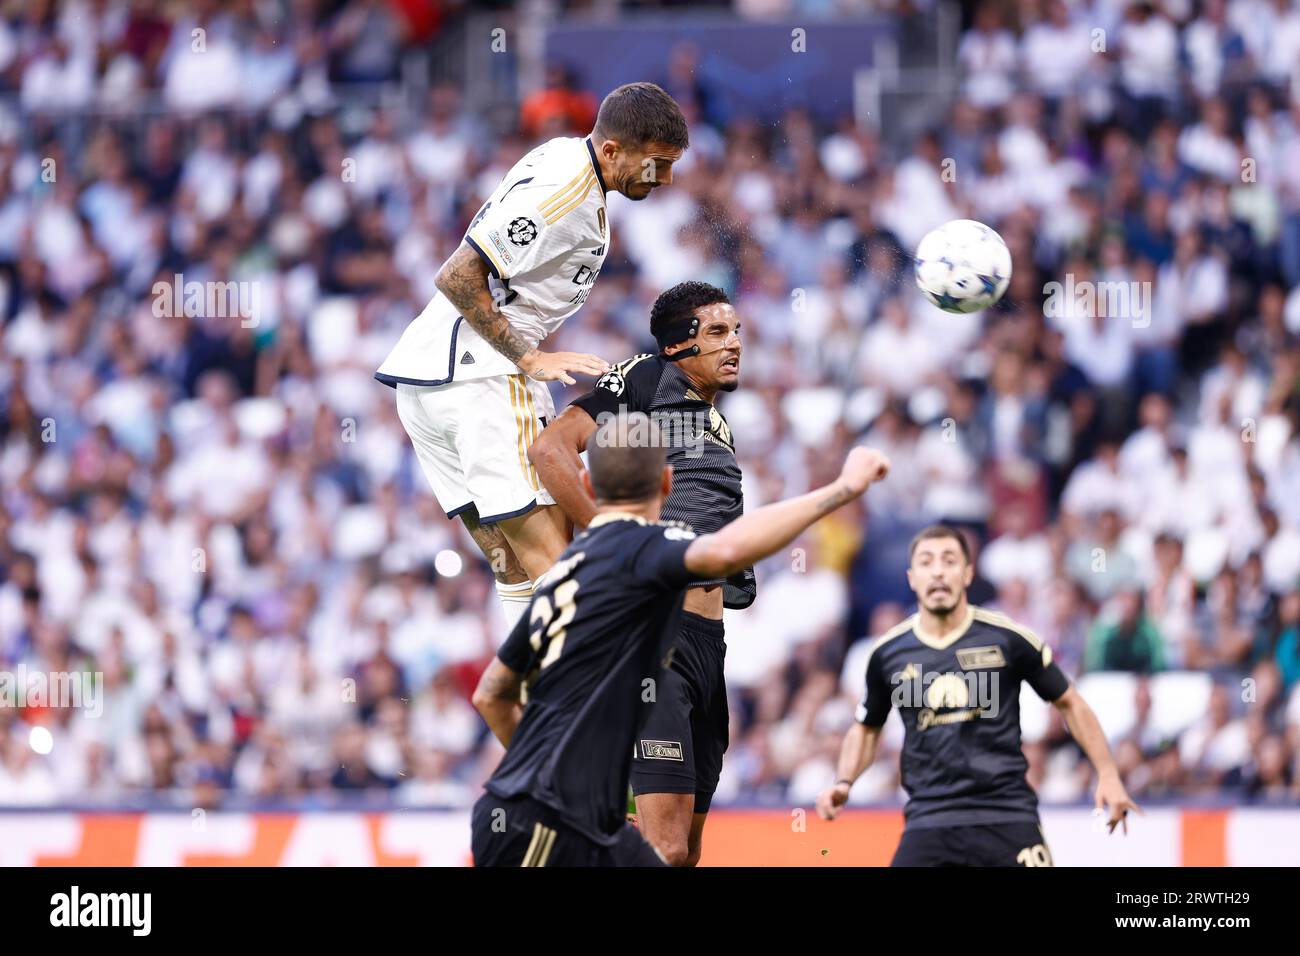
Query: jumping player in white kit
(468, 371)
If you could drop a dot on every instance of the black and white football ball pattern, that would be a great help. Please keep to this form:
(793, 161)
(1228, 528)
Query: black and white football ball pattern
(963, 266)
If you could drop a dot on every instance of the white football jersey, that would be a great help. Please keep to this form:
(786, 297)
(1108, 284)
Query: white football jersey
(544, 236)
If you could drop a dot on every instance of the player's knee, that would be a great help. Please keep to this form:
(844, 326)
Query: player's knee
(677, 853)
(541, 451)
(515, 576)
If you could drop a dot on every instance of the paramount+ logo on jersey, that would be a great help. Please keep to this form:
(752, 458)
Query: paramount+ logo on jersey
(945, 698)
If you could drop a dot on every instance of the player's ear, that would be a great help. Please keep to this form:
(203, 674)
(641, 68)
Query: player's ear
(609, 148)
(666, 483)
(969, 575)
(586, 484)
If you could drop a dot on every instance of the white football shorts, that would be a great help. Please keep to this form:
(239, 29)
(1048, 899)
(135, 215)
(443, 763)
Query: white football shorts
(472, 440)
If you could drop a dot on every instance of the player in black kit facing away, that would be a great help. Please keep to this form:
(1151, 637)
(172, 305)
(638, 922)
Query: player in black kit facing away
(954, 672)
(679, 752)
(602, 623)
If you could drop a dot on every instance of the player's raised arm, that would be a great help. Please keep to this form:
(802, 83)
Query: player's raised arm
(555, 456)
(463, 279)
(754, 536)
(1083, 724)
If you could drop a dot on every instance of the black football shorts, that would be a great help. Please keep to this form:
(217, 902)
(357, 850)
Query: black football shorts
(522, 832)
(680, 746)
(993, 844)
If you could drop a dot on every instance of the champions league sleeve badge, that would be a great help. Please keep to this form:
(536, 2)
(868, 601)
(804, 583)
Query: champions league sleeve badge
(521, 231)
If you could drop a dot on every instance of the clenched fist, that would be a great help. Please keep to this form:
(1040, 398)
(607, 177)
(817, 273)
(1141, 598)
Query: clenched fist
(863, 467)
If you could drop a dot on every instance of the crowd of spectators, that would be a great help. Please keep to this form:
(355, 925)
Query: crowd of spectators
(217, 509)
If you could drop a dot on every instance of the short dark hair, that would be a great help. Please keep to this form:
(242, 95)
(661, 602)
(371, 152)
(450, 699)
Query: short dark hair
(939, 531)
(640, 113)
(680, 302)
(626, 458)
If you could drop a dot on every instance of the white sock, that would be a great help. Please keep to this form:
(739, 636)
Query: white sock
(515, 599)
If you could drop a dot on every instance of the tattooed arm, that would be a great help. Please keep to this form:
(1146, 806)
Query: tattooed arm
(463, 279)
(754, 536)
(497, 698)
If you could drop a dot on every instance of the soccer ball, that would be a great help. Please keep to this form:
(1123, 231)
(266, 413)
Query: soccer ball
(963, 266)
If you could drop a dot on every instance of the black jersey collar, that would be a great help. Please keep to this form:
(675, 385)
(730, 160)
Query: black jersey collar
(939, 643)
(605, 517)
(595, 164)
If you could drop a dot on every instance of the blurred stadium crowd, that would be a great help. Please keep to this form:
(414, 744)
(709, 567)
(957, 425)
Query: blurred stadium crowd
(221, 513)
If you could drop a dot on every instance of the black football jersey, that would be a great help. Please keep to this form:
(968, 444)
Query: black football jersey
(706, 491)
(597, 634)
(959, 698)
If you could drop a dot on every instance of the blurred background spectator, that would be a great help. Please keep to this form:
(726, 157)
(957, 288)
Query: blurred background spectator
(216, 219)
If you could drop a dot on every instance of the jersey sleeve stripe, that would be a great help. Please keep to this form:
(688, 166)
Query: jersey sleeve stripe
(558, 196)
(573, 203)
(564, 193)
(1001, 620)
(627, 365)
(897, 630)
(492, 264)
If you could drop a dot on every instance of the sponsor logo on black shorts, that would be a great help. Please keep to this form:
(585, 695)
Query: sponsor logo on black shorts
(662, 750)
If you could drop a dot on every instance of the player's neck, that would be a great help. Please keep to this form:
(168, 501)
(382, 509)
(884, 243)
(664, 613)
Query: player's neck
(940, 625)
(647, 510)
(706, 392)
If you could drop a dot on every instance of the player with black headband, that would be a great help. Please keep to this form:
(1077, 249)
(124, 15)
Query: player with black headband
(601, 624)
(679, 749)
